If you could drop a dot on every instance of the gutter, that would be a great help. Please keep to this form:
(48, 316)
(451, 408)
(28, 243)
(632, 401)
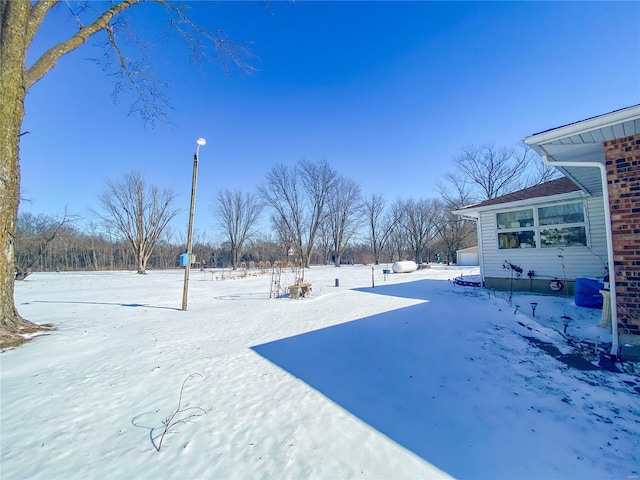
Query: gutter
(609, 234)
(617, 117)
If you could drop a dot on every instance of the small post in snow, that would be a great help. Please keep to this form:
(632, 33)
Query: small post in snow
(373, 283)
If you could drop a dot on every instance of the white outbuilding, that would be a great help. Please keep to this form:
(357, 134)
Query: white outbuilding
(467, 257)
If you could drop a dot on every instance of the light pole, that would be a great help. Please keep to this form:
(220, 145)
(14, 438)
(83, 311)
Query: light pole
(194, 183)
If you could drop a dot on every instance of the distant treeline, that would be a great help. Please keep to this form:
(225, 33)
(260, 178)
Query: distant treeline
(45, 243)
(317, 216)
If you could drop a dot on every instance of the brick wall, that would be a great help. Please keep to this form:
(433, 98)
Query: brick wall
(623, 177)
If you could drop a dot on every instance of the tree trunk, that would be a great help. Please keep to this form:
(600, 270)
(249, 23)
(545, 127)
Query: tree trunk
(142, 260)
(14, 18)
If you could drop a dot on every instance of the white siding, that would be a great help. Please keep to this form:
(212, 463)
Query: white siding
(589, 261)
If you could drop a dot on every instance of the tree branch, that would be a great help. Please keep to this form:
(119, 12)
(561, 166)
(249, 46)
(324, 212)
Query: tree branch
(226, 50)
(151, 102)
(49, 59)
(38, 11)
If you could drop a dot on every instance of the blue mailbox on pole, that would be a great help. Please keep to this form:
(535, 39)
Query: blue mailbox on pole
(184, 259)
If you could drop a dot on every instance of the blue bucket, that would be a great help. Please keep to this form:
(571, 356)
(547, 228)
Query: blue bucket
(588, 292)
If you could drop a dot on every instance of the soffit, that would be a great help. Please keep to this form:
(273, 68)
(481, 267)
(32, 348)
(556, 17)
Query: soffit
(582, 142)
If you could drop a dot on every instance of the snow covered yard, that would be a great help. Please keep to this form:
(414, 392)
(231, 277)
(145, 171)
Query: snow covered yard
(415, 378)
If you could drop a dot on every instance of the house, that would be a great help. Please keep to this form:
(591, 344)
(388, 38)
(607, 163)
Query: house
(540, 239)
(587, 224)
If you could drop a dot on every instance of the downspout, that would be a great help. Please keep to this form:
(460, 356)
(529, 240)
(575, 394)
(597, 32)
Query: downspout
(609, 235)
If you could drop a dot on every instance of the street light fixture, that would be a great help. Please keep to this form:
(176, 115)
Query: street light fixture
(194, 183)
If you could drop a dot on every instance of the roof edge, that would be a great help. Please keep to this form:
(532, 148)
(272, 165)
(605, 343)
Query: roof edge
(605, 120)
(552, 190)
(558, 197)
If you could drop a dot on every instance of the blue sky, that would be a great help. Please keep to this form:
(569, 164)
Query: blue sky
(386, 92)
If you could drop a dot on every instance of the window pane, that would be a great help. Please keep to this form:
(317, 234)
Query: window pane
(567, 213)
(563, 237)
(517, 219)
(524, 239)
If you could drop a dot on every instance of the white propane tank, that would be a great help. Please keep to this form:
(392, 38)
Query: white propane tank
(405, 266)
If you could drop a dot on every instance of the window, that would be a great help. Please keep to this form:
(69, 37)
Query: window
(563, 237)
(516, 219)
(519, 229)
(525, 239)
(560, 225)
(565, 226)
(567, 213)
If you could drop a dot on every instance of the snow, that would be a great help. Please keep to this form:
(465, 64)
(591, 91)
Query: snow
(415, 378)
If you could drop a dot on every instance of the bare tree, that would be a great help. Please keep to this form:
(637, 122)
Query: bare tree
(323, 243)
(35, 234)
(138, 213)
(19, 23)
(344, 215)
(419, 221)
(455, 191)
(282, 193)
(297, 197)
(491, 172)
(381, 222)
(455, 231)
(538, 172)
(486, 172)
(265, 249)
(398, 246)
(237, 216)
(318, 180)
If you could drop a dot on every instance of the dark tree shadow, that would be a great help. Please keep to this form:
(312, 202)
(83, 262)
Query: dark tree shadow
(101, 303)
